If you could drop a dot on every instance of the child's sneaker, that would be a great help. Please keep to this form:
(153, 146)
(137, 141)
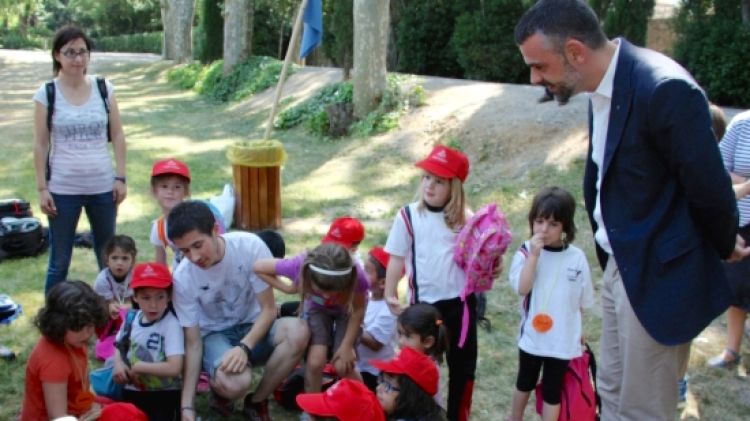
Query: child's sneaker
(221, 406)
(256, 411)
(682, 388)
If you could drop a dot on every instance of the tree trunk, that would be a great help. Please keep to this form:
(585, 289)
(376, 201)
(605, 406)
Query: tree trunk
(370, 49)
(177, 20)
(238, 32)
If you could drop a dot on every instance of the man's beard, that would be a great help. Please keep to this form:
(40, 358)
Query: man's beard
(562, 97)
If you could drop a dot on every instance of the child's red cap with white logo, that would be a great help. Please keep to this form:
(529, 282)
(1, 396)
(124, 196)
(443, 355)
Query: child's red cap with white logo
(418, 367)
(446, 162)
(170, 166)
(153, 275)
(346, 231)
(347, 400)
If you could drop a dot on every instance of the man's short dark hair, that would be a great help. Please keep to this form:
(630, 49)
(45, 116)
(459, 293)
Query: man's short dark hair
(188, 216)
(559, 20)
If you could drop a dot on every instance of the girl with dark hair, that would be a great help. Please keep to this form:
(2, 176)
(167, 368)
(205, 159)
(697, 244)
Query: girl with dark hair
(554, 282)
(406, 387)
(71, 158)
(421, 327)
(56, 382)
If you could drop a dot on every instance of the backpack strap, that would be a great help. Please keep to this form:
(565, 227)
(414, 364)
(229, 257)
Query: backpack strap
(161, 231)
(406, 215)
(49, 87)
(123, 345)
(102, 85)
(592, 367)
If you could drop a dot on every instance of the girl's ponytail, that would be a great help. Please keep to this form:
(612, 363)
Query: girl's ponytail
(425, 320)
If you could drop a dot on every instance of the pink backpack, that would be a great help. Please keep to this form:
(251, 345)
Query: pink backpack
(479, 249)
(579, 400)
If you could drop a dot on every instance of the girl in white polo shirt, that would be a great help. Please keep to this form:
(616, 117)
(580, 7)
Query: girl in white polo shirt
(554, 282)
(422, 240)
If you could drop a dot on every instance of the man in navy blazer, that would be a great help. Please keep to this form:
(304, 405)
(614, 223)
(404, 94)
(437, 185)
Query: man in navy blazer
(659, 199)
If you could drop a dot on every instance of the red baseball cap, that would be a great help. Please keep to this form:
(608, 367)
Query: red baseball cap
(417, 366)
(446, 162)
(380, 255)
(347, 400)
(122, 411)
(346, 231)
(170, 166)
(152, 274)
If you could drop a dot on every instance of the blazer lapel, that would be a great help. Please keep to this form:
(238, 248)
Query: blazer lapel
(622, 93)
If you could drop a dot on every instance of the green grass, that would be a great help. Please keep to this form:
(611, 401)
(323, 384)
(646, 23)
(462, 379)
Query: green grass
(321, 180)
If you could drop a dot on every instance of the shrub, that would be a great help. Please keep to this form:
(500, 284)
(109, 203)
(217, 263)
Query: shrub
(483, 42)
(14, 39)
(251, 76)
(149, 42)
(715, 48)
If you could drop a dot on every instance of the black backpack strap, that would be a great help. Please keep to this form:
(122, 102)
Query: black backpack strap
(102, 85)
(50, 88)
(123, 345)
(415, 287)
(592, 368)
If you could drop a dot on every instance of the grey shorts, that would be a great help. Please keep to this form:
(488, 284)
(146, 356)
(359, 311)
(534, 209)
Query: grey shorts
(216, 344)
(326, 328)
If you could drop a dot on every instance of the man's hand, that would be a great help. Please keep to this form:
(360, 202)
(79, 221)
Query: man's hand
(234, 361)
(394, 305)
(343, 360)
(741, 250)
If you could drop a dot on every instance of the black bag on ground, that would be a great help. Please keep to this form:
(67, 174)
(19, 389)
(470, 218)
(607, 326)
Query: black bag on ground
(21, 237)
(15, 208)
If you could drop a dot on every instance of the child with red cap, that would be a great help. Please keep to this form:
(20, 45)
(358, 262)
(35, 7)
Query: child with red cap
(422, 241)
(407, 385)
(379, 329)
(170, 186)
(347, 400)
(152, 368)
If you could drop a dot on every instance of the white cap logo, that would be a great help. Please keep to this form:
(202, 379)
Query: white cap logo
(148, 272)
(336, 233)
(440, 156)
(171, 164)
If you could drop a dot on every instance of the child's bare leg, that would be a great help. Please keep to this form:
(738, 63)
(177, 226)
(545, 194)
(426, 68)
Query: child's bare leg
(316, 361)
(550, 412)
(520, 400)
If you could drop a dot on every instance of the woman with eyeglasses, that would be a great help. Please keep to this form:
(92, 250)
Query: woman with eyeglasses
(73, 166)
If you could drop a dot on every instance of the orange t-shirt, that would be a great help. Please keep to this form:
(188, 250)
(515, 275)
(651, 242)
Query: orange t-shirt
(53, 363)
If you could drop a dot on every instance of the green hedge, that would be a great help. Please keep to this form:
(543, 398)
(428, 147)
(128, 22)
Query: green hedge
(149, 42)
(14, 39)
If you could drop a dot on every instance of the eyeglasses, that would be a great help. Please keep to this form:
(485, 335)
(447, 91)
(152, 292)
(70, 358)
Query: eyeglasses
(388, 386)
(72, 54)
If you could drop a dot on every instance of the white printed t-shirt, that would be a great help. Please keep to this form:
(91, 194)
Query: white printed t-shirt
(224, 295)
(80, 159)
(380, 323)
(154, 342)
(108, 288)
(563, 282)
(438, 276)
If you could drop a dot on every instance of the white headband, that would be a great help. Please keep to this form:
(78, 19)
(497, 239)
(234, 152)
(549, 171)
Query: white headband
(328, 272)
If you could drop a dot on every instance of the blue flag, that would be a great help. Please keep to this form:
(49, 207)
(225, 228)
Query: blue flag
(313, 33)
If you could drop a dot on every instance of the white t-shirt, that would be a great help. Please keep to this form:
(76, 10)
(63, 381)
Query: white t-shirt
(108, 288)
(156, 241)
(80, 160)
(223, 295)
(438, 276)
(562, 287)
(380, 323)
(153, 343)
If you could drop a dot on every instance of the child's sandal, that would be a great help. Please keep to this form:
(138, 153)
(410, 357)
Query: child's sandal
(720, 360)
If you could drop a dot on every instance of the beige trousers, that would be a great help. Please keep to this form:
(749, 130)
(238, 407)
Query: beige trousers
(637, 376)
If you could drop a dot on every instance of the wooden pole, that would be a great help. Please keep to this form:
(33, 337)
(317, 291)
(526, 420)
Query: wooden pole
(288, 59)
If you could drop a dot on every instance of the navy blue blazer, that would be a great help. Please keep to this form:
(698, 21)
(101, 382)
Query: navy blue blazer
(667, 201)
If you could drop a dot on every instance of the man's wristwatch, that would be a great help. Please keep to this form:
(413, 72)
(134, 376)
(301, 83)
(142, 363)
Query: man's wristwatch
(248, 351)
(123, 179)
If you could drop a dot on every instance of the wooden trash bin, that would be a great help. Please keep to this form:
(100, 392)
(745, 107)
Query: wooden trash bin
(256, 170)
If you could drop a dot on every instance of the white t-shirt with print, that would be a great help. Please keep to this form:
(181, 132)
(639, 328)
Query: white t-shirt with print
(80, 160)
(108, 288)
(380, 323)
(223, 295)
(438, 276)
(154, 343)
(562, 287)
